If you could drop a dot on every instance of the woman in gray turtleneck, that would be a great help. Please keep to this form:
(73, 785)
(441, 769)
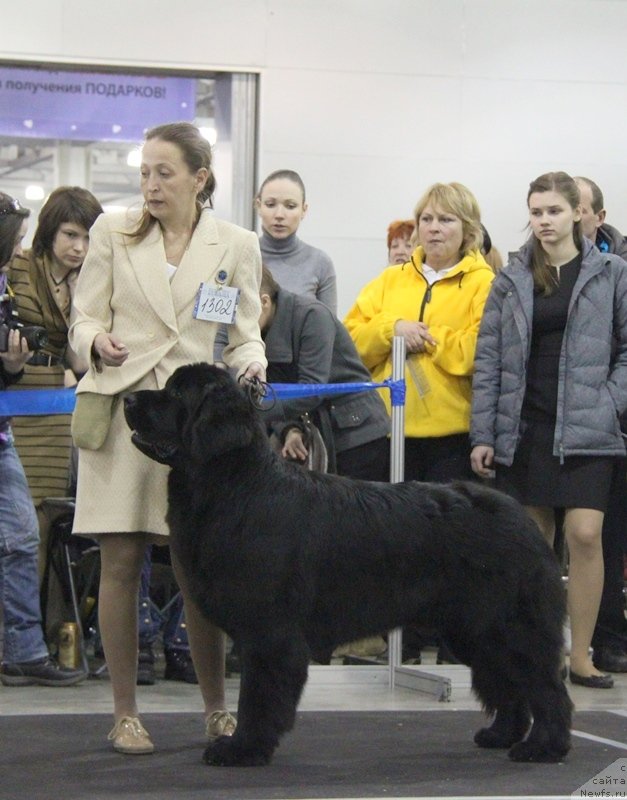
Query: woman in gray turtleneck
(296, 266)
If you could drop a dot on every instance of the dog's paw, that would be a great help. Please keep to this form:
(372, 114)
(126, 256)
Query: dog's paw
(226, 751)
(488, 737)
(533, 751)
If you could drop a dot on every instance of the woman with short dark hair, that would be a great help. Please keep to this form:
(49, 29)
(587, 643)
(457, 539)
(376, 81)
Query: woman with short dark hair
(44, 279)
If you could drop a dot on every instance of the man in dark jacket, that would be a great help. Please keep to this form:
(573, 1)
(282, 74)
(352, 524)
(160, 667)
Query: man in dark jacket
(610, 634)
(593, 225)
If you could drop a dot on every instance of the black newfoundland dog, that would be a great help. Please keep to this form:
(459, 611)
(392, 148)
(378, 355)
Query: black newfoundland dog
(290, 563)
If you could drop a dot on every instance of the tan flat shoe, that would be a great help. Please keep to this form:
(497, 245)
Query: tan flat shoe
(129, 736)
(220, 723)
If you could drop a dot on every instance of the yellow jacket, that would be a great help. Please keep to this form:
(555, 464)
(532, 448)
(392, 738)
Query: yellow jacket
(438, 380)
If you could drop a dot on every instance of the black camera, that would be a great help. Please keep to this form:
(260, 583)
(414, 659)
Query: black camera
(36, 336)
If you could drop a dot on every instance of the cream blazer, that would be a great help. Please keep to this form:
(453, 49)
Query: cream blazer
(124, 289)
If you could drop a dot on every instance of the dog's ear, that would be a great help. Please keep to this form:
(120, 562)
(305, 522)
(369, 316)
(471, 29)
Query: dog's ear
(211, 441)
(223, 422)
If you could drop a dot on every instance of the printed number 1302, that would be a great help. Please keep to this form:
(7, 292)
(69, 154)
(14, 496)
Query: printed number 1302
(217, 305)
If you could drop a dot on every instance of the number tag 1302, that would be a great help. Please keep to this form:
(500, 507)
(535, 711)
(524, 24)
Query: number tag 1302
(216, 304)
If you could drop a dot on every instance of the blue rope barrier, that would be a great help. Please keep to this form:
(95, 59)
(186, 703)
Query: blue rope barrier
(291, 391)
(31, 402)
(28, 402)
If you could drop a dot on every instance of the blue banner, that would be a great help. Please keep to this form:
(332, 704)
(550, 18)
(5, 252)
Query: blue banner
(90, 106)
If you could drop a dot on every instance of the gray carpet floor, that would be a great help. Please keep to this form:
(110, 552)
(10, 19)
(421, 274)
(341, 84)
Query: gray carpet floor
(328, 755)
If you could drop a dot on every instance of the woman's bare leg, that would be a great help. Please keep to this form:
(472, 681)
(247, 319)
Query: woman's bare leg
(207, 647)
(582, 528)
(121, 556)
(545, 520)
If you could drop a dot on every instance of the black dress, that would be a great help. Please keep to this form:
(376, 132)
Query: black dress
(536, 477)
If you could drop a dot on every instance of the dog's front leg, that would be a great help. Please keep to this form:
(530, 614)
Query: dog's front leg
(273, 674)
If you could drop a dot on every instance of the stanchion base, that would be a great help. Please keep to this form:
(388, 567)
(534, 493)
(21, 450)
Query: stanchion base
(416, 679)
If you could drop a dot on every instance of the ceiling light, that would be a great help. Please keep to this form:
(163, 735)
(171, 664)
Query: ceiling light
(34, 192)
(134, 158)
(109, 207)
(210, 134)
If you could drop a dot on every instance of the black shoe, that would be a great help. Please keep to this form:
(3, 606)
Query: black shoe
(146, 666)
(43, 672)
(179, 666)
(610, 659)
(592, 681)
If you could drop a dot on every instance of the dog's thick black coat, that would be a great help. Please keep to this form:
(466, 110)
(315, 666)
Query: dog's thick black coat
(290, 563)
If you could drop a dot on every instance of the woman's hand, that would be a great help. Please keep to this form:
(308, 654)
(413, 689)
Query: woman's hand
(482, 460)
(17, 353)
(294, 446)
(416, 335)
(110, 349)
(255, 370)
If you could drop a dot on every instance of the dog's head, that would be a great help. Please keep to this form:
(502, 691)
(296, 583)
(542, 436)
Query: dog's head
(200, 414)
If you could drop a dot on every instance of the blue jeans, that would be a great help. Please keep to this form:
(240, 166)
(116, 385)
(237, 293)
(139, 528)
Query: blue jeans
(19, 576)
(151, 620)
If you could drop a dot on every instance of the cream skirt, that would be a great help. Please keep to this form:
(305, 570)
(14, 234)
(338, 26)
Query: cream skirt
(120, 490)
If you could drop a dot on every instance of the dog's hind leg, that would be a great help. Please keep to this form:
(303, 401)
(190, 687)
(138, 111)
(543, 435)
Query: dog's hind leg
(536, 667)
(499, 696)
(549, 738)
(519, 692)
(273, 674)
(510, 724)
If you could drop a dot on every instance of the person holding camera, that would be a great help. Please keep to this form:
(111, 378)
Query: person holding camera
(25, 657)
(43, 280)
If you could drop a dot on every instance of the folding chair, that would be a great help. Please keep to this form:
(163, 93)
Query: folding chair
(71, 574)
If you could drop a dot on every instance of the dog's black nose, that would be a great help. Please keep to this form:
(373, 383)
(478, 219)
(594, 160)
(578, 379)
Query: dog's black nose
(131, 409)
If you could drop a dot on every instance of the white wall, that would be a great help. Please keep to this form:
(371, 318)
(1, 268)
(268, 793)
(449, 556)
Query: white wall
(373, 100)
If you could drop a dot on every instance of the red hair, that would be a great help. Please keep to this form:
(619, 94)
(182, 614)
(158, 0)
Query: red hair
(400, 227)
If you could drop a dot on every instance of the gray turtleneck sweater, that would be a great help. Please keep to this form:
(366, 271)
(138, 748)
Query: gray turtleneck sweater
(300, 268)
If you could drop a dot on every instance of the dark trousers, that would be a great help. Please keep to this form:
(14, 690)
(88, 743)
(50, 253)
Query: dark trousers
(439, 459)
(368, 462)
(611, 627)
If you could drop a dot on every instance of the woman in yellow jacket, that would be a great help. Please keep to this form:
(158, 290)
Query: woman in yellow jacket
(435, 302)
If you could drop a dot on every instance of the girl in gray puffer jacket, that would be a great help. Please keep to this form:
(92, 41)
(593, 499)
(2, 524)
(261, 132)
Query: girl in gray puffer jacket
(549, 386)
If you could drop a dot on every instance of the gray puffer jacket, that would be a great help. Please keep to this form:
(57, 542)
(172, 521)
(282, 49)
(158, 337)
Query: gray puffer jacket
(592, 388)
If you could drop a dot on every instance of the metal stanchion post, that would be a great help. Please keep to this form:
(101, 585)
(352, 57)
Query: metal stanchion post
(397, 474)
